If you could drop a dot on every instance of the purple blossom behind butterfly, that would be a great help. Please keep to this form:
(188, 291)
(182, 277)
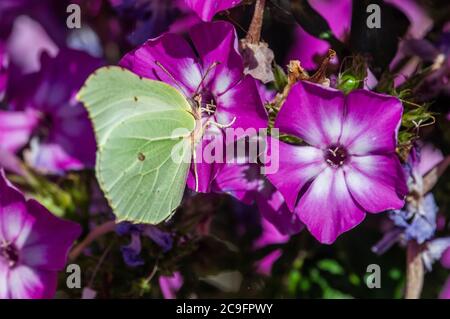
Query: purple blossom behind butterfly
(214, 71)
(34, 245)
(349, 166)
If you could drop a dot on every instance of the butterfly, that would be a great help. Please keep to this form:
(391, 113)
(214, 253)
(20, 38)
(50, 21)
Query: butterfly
(145, 131)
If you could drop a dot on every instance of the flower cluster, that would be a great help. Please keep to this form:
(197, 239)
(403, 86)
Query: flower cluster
(340, 146)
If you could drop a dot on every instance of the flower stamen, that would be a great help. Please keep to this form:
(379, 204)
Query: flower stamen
(335, 156)
(10, 253)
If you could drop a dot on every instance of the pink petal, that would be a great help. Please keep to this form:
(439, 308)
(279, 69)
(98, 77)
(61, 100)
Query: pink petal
(207, 9)
(243, 103)
(430, 156)
(372, 123)
(298, 165)
(264, 266)
(311, 50)
(313, 113)
(4, 274)
(377, 182)
(217, 42)
(241, 181)
(10, 162)
(168, 58)
(16, 129)
(28, 283)
(170, 285)
(273, 208)
(338, 14)
(47, 245)
(51, 158)
(327, 208)
(28, 40)
(445, 293)
(14, 219)
(308, 49)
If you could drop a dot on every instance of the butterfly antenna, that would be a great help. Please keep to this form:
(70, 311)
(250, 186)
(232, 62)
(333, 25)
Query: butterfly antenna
(170, 75)
(210, 68)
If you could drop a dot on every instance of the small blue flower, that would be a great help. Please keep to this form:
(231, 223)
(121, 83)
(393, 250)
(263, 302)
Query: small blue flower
(132, 252)
(418, 219)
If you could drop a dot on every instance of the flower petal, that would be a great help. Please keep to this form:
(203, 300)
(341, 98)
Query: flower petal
(217, 42)
(372, 123)
(313, 113)
(307, 49)
(168, 58)
(273, 208)
(28, 283)
(243, 103)
(47, 245)
(377, 182)
(207, 9)
(327, 208)
(16, 129)
(298, 165)
(170, 285)
(242, 181)
(4, 274)
(51, 158)
(13, 212)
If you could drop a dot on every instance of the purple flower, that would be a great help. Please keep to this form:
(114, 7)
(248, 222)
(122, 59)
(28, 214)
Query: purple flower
(3, 69)
(170, 285)
(213, 70)
(47, 118)
(27, 42)
(132, 252)
(349, 167)
(269, 235)
(207, 9)
(309, 49)
(417, 222)
(34, 245)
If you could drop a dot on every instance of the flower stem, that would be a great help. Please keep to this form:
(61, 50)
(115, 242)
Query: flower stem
(91, 237)
(254, 32)
(414, 271)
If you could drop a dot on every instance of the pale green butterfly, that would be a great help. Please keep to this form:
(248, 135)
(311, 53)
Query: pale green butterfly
(134, 120)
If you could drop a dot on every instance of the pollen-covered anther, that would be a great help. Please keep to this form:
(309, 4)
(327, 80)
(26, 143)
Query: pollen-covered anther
(336, 156)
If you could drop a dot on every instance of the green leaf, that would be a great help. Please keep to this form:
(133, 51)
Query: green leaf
(331, 266)
(134, 121)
